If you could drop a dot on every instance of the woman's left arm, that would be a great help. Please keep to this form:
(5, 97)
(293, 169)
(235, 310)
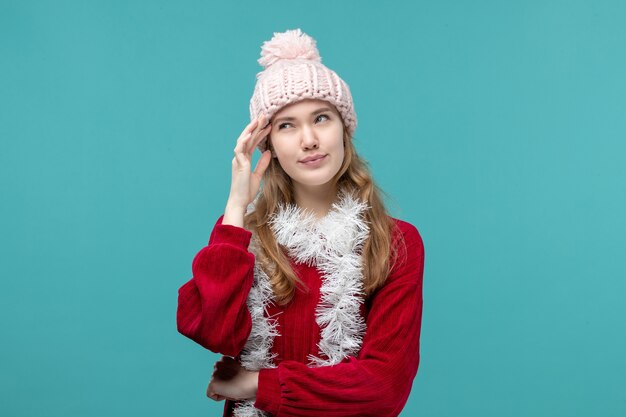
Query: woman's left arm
(378, 381)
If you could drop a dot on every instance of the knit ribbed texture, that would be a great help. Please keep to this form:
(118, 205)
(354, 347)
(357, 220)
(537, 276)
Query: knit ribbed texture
(293, 71)
(377, 382)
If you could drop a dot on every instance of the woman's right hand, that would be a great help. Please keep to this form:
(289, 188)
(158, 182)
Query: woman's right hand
(245, 184)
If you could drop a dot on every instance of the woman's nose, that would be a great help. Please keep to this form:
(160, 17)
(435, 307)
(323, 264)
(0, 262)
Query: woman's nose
(309, 138)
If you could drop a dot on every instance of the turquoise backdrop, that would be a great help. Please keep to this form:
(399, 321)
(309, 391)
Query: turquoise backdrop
(498, 128)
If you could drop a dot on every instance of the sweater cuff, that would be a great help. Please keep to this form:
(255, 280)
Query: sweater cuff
(268, 394)
(227, 233)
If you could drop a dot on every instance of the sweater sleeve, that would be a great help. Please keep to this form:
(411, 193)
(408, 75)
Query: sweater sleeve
(378, 381)
(212, 308)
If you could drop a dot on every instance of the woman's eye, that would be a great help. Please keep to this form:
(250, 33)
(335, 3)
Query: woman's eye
(280, 126)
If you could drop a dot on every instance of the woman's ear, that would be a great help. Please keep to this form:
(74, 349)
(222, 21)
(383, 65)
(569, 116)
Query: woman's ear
(271, 148)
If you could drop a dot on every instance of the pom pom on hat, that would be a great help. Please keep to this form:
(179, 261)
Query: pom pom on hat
(292, 44)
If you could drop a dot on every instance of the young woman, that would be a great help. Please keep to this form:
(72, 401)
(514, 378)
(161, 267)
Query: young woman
(309, 289)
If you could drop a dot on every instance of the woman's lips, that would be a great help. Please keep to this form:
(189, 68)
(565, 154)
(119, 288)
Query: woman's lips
(316, 162)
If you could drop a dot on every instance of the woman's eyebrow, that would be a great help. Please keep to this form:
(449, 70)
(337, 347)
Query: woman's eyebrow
(323, 109)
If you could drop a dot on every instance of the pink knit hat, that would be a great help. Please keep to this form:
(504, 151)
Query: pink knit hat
(293, 71)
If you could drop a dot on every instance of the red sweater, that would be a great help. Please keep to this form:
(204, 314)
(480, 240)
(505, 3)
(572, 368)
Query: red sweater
(212, 311)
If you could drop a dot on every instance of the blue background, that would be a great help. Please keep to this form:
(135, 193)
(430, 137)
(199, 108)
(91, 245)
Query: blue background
(497, 128)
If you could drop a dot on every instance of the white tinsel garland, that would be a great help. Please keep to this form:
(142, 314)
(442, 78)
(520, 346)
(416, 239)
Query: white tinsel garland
(333, 244)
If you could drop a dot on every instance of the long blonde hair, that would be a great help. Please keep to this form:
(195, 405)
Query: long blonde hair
(379, 250)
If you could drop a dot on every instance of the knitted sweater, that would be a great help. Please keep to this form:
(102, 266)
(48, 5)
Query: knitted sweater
(212, 311)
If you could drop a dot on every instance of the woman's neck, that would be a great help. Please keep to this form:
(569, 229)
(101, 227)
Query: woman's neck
(318, 199)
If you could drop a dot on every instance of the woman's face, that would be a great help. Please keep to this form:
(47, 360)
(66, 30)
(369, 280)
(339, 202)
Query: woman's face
(304, 129)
